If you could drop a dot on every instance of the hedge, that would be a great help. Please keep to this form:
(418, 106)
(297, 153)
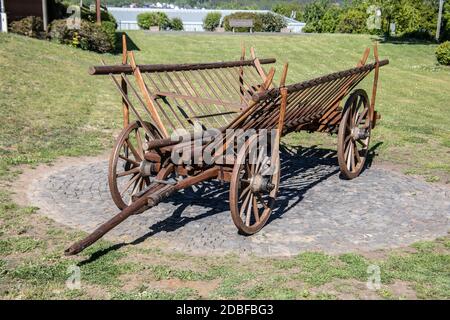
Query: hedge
(90, 36)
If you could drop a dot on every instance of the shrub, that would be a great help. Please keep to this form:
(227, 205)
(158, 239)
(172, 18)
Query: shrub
(29, 26)
(58, 31)
(147, 20)
(257, 22)
(93, 38)
(109, 28)
(272, 22)
(176, 24)
(90, 36)
(443, 53)
(151, 19)
(212, 21)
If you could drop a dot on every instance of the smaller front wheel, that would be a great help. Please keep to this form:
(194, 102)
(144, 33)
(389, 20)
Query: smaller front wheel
(354, 135)
(253, 187)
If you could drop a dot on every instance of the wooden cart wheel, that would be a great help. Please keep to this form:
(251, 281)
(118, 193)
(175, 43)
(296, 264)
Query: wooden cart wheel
(128, 172)
(354, 135)
(254, 186)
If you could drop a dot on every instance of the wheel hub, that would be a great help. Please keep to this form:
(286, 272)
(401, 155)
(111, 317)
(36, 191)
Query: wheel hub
(258, 183)
(359, 133)
(146, 168)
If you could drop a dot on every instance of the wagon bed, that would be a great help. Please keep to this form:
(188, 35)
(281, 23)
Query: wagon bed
(187, 123)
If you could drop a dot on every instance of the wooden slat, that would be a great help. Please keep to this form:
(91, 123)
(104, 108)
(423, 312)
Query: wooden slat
(147, 98)
(235, 106)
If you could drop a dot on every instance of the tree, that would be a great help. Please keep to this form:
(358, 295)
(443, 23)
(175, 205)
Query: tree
(331, 19)
(446, 18)
(352, 21)
(212, 21)
(314, 13)
(272, 22)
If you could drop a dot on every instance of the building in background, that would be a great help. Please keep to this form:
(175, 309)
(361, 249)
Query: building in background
(3, 18)
(19, 9)
(13, 10)
(192, 18)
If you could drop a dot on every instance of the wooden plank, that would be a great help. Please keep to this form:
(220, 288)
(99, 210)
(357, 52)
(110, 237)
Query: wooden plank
(313, 82)
(148, 99)
(235, 106)
(128, 69)
(125, 107)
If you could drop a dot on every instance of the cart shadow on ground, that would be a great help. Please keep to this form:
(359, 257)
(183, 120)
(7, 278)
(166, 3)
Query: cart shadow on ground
(301, 169)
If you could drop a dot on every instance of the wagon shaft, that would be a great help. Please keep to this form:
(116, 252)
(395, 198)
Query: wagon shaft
(150, 199)
(155, 193)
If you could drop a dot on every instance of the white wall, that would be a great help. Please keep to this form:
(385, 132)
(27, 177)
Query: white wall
(193, 27)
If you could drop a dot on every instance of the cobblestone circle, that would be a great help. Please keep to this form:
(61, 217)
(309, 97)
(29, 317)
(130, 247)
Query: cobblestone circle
(316, 210)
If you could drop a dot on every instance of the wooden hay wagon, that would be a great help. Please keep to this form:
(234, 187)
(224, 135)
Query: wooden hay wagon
(232, 116)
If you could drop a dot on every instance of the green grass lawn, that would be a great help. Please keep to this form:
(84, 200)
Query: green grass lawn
(51, 107)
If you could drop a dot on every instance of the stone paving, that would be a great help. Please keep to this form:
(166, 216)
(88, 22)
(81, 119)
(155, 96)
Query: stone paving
(316, 210)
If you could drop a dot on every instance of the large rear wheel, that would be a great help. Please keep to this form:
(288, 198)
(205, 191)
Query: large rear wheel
(254, 186)
(354, 135)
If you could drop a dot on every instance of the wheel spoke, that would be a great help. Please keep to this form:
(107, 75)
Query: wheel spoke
(354, 110)
(255, 210)
(347, 139)
(263, 163)
(363, 114)
(358, 158)
(136, 164)
(347, 127)
(139, 143)
(249, 211)
(136, 183)
(260, 199)
(243, 192)
(133, 150)
(260, 159)
(244, 204)
(134, 190)
(249, 171)
(346, 150)
(349, 156)
(128, 185)
(352, 158)
(127, 173)
(363, 143)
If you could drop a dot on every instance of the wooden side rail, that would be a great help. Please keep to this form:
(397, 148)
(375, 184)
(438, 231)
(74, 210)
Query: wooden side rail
(144, 68)
(311, 83)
